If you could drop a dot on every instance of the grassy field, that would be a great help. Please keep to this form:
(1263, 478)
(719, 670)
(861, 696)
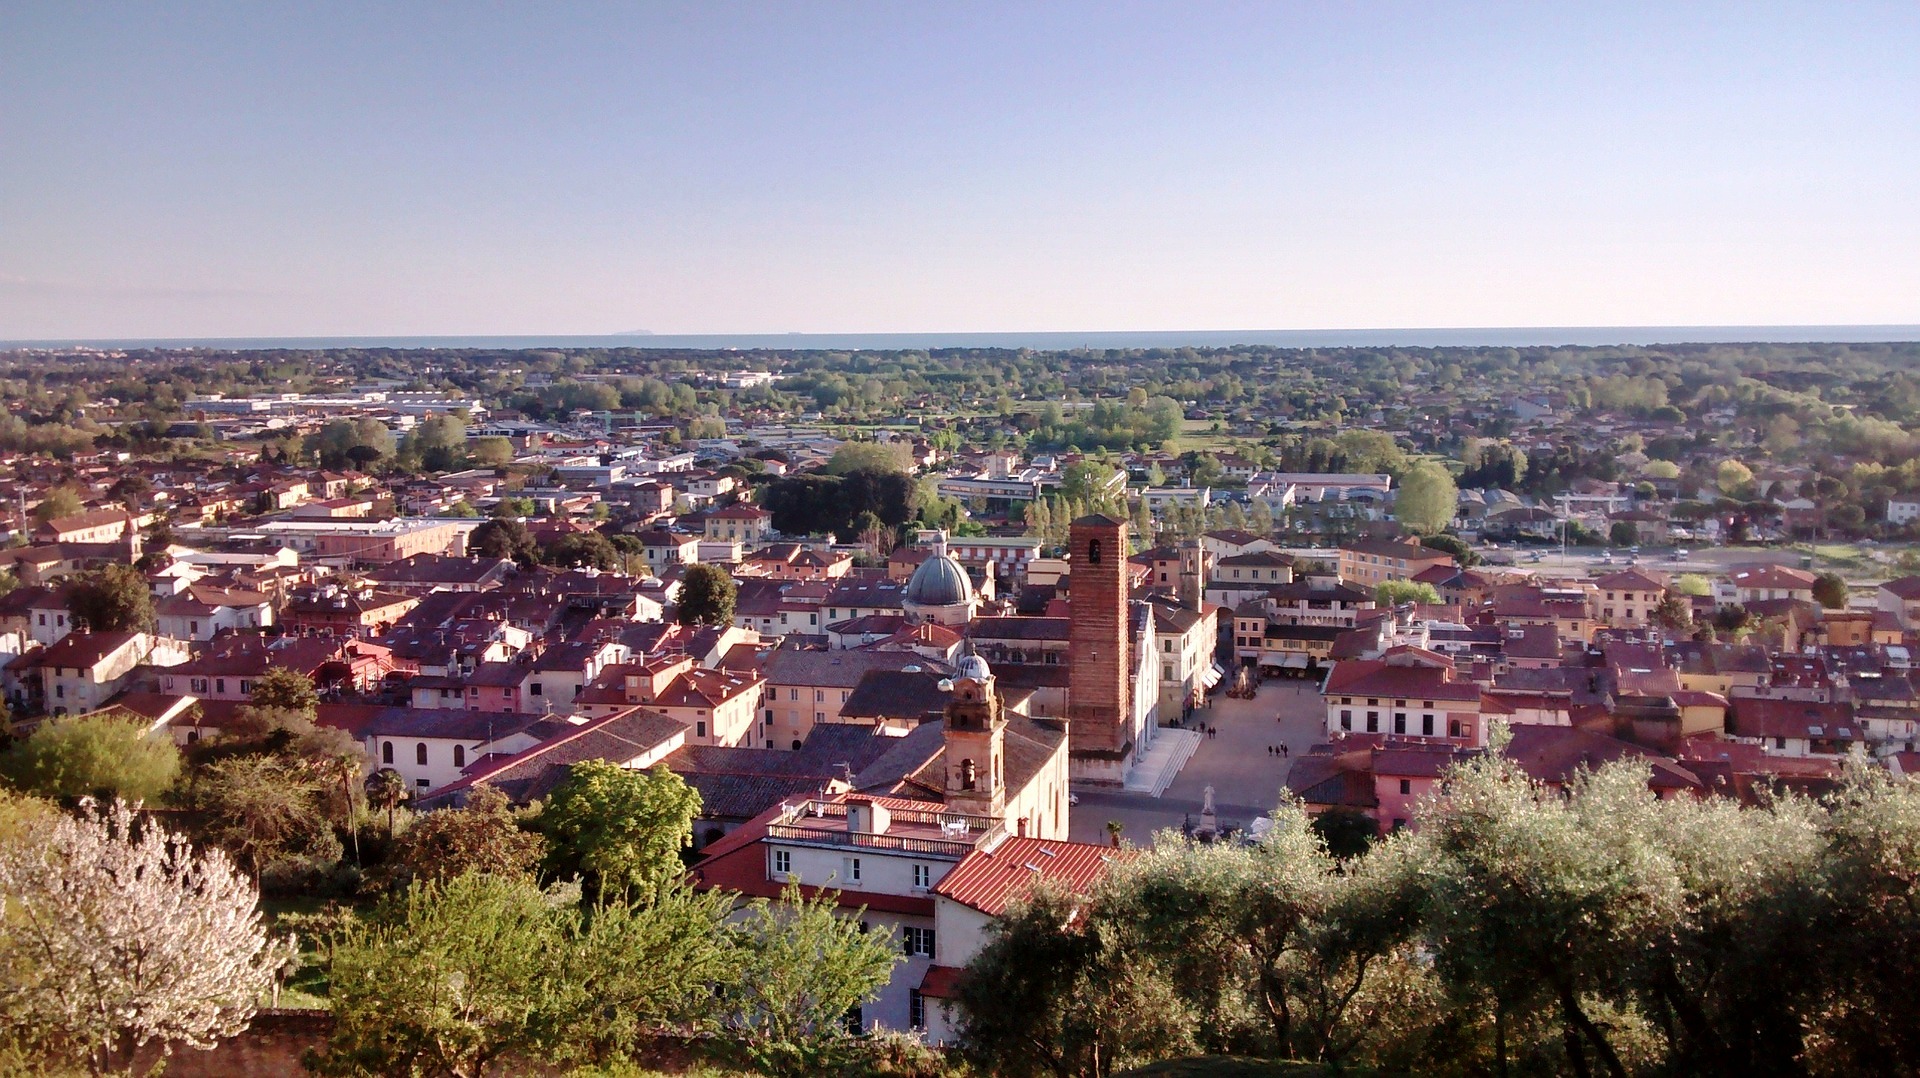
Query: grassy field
(307, 987)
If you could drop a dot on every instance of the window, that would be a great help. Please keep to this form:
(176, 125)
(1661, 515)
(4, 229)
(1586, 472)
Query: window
(459, 756)
(422, 783)
(819, 696)
(219, 684)
(386, 753)
(916, 1009)
(1373, 722)
(922, 877)
(534, 689)
(1399, 722)
(853, 870)
(1346, 720)
(700, 728)
(916, 941)
(420, 754)
(782, 862)
(246, 686)
(769, 721)
(1426, 725)
(1406, 786)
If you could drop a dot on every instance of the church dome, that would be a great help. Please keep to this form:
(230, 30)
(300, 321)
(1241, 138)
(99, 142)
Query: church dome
(940, 581)
(973, 666)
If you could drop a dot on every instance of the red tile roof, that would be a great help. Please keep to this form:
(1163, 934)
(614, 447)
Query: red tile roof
(1906, 587)
(989, 880)
(1376, 677)
(941, 982)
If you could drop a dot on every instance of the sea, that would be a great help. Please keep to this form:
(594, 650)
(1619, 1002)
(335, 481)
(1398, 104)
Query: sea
(1508, 337)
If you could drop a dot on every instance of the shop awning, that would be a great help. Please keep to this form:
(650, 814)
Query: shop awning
(1211, 676)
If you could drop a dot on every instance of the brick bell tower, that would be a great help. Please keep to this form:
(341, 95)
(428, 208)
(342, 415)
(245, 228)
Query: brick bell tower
(1099, 692)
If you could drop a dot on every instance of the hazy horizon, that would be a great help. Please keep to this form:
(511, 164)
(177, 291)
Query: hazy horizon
(1056, 340)
(370, 170)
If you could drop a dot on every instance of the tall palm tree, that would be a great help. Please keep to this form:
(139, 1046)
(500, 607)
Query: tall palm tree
(344, 766)
(385, 790)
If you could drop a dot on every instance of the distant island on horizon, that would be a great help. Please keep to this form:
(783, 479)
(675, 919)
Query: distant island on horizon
(1054, 340)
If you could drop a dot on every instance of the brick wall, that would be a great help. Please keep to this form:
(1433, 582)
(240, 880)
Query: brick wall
(1098, 693)
(271, 1047)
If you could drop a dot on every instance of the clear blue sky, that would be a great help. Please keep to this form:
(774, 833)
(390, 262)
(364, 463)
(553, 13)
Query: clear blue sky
(454, 168)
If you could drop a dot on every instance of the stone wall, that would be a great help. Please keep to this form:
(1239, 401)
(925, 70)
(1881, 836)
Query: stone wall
(271, 1047)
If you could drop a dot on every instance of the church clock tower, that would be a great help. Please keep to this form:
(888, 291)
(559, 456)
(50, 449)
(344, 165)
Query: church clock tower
(976, 742)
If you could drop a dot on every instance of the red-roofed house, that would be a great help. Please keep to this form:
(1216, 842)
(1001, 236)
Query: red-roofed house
(1410, 692)
(1628, 598)
(978, 890)
(745, 523)
(1755, 583)
(1901, 598)
(886, 855)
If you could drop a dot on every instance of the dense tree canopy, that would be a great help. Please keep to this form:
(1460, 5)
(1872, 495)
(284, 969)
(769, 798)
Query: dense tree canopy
(621, 829)
(1427, 498)
(113, 599)
(91, 755)
(504, 537)
(815, 504)
(707, 595)
(481, 836)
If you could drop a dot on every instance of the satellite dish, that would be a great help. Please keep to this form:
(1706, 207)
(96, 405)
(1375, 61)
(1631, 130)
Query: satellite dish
(946, 684)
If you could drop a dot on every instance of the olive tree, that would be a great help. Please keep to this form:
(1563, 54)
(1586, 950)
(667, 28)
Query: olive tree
(799, 967)
(452, 977)
(1054, 992)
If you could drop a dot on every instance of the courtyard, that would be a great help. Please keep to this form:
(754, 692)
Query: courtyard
(1246, 778)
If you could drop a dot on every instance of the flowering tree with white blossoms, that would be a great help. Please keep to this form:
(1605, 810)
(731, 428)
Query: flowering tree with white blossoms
(115, 933)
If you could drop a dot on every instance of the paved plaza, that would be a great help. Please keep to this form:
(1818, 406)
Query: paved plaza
(1246, 779)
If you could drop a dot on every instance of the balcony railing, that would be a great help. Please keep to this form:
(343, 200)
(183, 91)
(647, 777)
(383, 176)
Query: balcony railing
(932, 847)
(933, 833)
